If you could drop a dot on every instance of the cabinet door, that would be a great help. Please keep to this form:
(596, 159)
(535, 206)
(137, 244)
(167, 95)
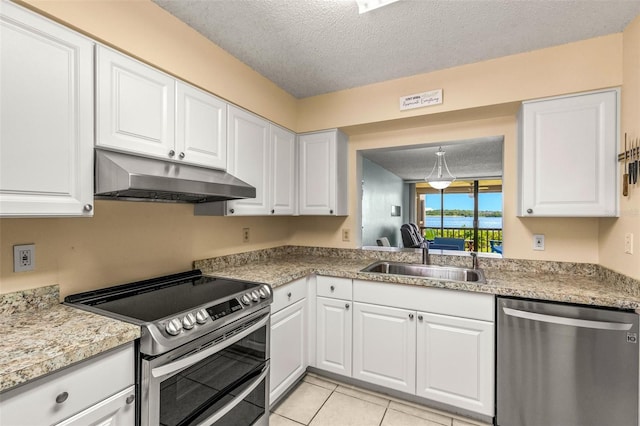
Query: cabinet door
(201, 127)
(455, 362)
(135, 106)
(119, 410)
(318, 173)
(567, 156)
(46, 117)
(283, 195)
(333, 344)
(384, 346)
(288, 347)
(249, 159)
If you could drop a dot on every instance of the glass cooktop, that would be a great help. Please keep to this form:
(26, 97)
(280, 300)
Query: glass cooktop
(158, 298)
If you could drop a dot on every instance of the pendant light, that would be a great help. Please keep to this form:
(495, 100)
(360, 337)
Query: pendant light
(365, 6)
(436, 178)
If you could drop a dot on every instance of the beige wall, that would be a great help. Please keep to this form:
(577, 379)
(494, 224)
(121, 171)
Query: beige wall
(129, 241)
(612, 232)
(475, 96)
(565, 239)
(574, 67)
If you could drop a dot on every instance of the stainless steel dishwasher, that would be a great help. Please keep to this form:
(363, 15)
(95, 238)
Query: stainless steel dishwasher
(563, 365)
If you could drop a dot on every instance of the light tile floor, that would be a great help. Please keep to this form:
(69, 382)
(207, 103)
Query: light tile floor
(318, 401)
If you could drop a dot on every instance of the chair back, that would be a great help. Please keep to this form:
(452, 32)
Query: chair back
(409, 237)
(383, 242)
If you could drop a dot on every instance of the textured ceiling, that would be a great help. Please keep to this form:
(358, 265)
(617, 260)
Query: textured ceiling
(475, 158)
(310, 47)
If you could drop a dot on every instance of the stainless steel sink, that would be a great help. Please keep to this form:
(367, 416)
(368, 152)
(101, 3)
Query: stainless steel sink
(450, 273)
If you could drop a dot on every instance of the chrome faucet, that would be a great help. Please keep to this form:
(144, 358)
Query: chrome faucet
(425, 253)
(474, 260)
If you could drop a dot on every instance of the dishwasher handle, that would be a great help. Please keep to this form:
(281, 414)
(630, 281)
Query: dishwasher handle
(573, 322)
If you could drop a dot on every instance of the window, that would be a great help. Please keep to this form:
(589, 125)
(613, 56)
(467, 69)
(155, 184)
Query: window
(468, 209)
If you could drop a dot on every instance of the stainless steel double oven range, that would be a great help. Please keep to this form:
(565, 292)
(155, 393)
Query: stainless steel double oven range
(203, 355)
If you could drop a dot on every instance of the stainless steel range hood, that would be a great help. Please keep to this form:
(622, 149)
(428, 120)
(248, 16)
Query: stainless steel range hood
(129, 177)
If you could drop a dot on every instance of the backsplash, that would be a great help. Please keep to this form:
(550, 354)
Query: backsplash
(37, 298)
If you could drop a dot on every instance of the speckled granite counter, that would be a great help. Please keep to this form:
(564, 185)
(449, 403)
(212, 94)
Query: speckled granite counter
(555, 281)
(38, 335)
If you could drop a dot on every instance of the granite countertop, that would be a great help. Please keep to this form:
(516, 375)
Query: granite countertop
(39, 335)
(551, 281)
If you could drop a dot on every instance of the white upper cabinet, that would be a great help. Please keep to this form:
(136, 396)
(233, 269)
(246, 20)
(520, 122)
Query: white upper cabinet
(264, 156)
(323, 173)
(567, 156)
(283, 191)
(46, 117)
(201, 127)
(135, 106)
(249, 159)
(147, 112)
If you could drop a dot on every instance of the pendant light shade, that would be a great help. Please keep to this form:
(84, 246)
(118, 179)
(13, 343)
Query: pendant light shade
(440, 176)
(368, 5)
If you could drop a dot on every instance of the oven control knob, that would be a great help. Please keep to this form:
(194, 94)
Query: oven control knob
(189, 321)
(255, 296)
(173, 327)
(264, 292)
(202, 316)
(245, 299)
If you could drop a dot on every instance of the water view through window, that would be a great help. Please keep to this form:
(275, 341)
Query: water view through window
(454, 213)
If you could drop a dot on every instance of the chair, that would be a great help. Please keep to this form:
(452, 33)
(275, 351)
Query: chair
(417, 232)
(383, 242)
(496, 246)
(456, 243)
(411, 239)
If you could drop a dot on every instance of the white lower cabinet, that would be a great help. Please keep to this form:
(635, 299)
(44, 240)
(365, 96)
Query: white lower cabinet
(455, 362)
(289, 337)
(96, 391)
(118, 410)
(437, 344)
(334, 331)
(434, 343)
(288, 347)
(384, 346)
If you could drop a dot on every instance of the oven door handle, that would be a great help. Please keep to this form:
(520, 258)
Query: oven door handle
(183, 363)
(237, 400)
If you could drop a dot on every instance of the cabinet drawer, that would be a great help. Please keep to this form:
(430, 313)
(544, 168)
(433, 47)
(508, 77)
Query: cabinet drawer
(337, 288)
(289, 294)
(456, 303)
(85, 384)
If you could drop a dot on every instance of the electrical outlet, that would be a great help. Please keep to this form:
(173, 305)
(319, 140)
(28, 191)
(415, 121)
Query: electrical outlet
(628, 243)
(24, 258)
(346, 234)
(245, 235)
(538, 242)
